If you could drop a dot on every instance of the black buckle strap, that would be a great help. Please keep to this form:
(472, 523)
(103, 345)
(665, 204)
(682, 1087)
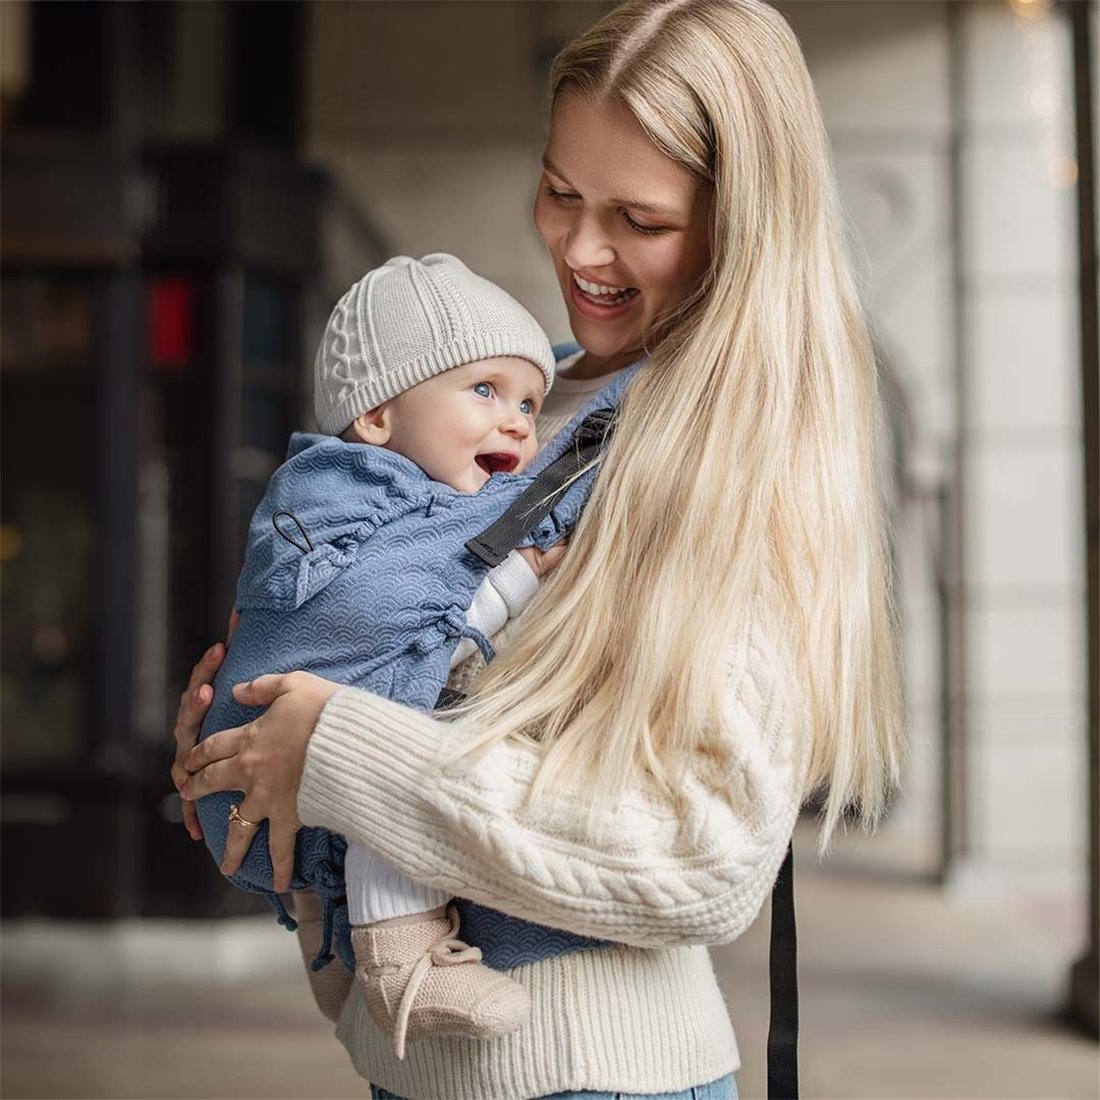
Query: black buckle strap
(783, 967)
(534, 504)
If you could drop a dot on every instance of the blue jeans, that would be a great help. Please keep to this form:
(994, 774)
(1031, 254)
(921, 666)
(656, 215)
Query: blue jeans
(724, 1088)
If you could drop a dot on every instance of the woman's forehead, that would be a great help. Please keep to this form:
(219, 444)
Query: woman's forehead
(598, 146)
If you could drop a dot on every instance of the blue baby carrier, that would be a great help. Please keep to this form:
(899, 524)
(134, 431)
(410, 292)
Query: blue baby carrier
(361, 569)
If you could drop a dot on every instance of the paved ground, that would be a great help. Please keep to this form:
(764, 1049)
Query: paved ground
(906, 993)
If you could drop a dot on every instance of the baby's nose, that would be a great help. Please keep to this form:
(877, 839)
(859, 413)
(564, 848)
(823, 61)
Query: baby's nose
(517, 424)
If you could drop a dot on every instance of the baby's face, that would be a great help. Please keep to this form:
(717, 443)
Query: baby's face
(470, 422)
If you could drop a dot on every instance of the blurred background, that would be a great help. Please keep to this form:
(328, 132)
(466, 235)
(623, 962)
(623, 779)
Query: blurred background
(187, 188)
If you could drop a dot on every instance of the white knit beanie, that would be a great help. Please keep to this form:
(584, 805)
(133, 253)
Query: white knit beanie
(408, 320)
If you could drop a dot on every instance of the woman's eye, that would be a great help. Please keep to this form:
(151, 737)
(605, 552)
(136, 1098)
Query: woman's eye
(483, 389)
(560, 196)
(649, 230)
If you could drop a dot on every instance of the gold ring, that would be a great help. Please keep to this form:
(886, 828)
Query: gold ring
(236, 819)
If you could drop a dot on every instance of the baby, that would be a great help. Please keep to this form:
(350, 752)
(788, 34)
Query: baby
(441, 374)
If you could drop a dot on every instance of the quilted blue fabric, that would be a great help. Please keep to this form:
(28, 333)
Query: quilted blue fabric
(356, 569)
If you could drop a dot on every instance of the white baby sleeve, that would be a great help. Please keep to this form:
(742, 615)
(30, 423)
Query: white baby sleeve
(504, 593)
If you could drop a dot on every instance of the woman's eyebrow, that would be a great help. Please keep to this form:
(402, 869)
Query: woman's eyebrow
(648, 208)
(640, 205)
(553, 169)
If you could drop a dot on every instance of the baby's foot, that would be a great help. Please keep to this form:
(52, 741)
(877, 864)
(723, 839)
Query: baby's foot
(420, 980)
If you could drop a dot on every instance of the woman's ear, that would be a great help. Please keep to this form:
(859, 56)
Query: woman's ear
(373, 426)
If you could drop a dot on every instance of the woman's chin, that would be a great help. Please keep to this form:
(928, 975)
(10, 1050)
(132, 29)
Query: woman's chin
(605, 339)
(612, 353)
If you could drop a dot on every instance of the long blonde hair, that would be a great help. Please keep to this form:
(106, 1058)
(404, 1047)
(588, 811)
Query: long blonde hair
(742, 468)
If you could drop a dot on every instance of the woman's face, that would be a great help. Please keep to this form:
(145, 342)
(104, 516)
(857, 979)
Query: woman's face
(628, 228)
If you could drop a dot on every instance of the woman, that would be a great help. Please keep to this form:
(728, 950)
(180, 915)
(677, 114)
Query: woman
(717, 642)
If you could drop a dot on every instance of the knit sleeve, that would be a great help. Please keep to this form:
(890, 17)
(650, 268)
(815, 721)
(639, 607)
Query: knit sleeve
(643, 872)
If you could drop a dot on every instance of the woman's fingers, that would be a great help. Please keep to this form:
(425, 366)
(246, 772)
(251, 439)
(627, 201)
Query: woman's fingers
(281, 839)
(180, 774)
(263, 758)
(194, 703)
(227, 774)
(197, 697)
(264, 690)
(191, 819)
(218, 746)
(207, 667)
(282, 835)
(243, 827)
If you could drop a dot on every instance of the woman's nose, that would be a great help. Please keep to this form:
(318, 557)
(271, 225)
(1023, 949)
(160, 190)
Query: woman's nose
(587, 245)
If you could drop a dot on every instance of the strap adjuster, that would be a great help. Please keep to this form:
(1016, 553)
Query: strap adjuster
(536, 502)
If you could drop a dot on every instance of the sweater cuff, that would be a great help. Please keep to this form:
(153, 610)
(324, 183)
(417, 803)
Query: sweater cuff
(515, 581)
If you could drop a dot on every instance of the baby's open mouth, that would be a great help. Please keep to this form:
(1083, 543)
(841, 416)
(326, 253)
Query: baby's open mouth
(500, 462)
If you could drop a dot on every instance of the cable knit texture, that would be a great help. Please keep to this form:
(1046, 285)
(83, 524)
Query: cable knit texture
(409, 320)
(641, 1018)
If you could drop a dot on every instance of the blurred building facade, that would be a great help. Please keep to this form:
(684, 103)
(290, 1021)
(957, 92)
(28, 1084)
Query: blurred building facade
(169, 254)
(161, 245)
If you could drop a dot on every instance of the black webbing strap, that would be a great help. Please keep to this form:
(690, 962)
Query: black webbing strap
(533, 505)
(783, 970)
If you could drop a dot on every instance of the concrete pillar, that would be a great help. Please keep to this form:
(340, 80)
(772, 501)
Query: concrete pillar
(1084, 977)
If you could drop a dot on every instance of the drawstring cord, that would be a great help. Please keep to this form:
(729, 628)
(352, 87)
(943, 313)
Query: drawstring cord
(324, 952)
(289, 537)
(327, 882)
(483, 643)
(455, 625)
(284, 918)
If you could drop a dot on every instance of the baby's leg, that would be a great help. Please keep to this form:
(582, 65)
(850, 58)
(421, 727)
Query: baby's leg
(331, 983)
(417, 977)
(378, 891)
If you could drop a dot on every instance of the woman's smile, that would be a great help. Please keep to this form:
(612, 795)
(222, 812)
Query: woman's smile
(600, 301)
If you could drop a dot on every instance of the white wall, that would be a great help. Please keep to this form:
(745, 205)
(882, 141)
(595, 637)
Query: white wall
(881, 73)
(884, 76)
(433, 116)
(1025, 566)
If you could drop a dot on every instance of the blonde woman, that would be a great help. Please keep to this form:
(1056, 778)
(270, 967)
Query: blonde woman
(718, 641)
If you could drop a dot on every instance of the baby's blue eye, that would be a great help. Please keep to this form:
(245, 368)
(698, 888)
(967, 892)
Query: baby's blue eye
(483, 389)
(526, 407)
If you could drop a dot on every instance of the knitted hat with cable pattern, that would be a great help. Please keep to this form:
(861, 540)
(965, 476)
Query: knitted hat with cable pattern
(411, 319)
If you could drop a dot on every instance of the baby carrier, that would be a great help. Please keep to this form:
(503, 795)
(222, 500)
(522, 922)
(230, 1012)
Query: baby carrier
(361, 568)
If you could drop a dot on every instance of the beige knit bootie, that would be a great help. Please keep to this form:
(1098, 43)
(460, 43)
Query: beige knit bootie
(420, 980)
(331, 984)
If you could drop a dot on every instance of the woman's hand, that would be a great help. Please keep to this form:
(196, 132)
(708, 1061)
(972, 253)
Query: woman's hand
(194, 703)
(264, 759)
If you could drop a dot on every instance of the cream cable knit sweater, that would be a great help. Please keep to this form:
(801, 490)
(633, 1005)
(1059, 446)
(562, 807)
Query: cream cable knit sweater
(639, 1019)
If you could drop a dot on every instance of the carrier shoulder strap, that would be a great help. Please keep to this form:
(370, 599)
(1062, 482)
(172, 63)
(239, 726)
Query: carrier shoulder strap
(536, 502)
(783, 971)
